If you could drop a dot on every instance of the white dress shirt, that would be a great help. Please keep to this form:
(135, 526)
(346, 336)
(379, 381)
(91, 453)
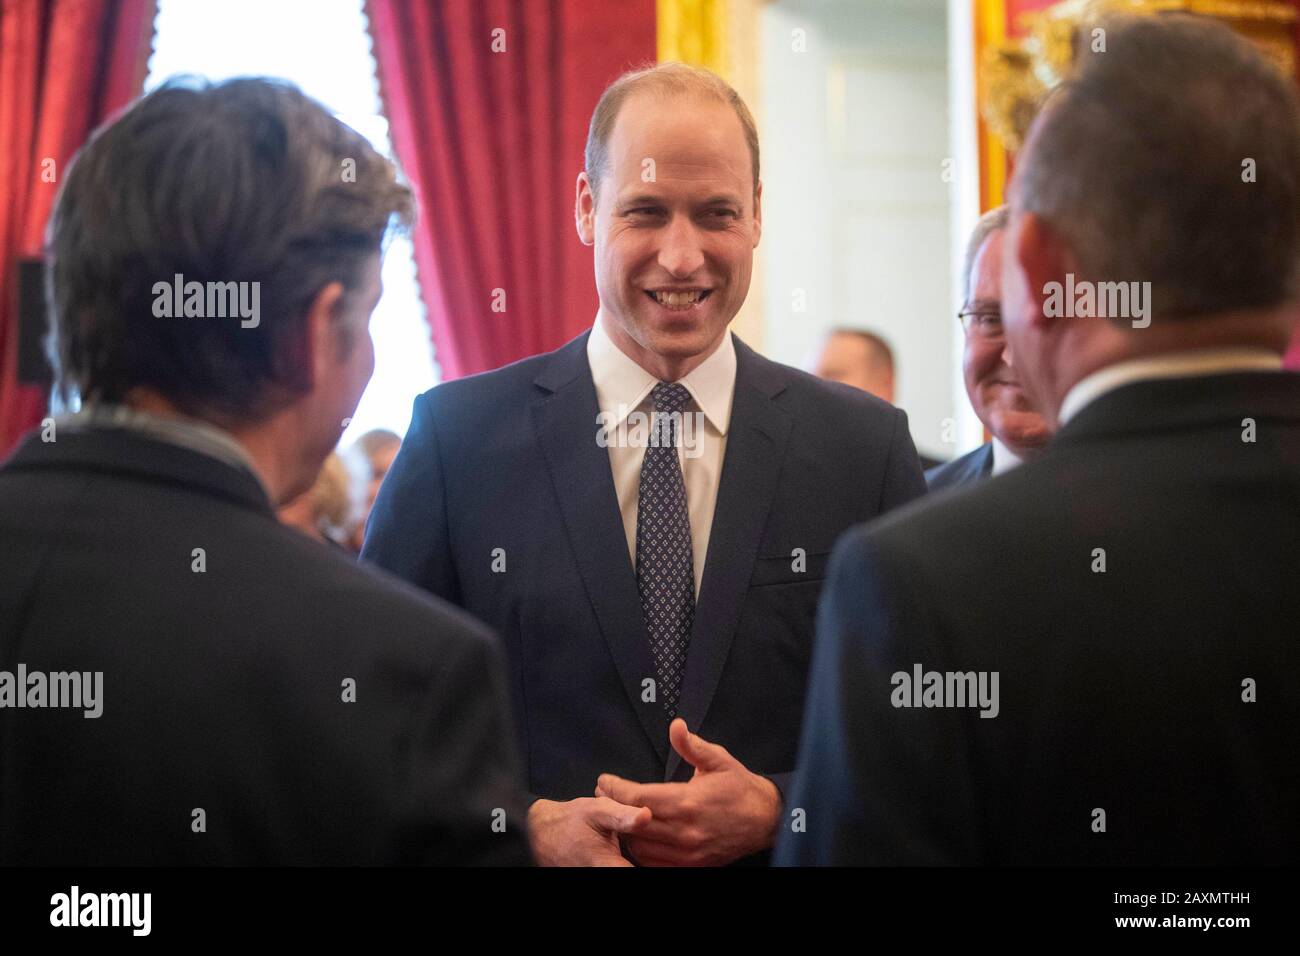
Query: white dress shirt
(1004, 459)
(622, 387)
(1174, 365)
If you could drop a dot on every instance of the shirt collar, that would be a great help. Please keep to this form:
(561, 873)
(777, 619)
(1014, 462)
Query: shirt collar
(188, 433)
(1177, 365)
(622, 385)
(1004, 459)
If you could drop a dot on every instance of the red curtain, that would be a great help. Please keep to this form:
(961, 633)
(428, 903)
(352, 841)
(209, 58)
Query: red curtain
(65, 67)
(488, 103)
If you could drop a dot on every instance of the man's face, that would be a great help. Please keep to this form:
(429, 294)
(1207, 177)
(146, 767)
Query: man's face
(674, 223)
(995, 389)
(348, 360)
(358, 364)
(851, 359)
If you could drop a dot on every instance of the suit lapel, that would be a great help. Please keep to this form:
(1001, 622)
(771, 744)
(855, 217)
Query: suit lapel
(756, 442)
(566, 425)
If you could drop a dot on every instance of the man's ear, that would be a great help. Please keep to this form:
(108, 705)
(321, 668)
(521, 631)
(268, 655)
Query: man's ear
(322, 339)
(1044, 259)
(758, 213)
(584, 210)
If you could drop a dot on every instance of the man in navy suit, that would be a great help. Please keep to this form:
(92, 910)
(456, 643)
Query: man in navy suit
(645, 515)
(992, 382)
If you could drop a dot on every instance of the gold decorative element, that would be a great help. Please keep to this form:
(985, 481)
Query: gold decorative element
(694, 32)
(1009, 92)
(1015, 75)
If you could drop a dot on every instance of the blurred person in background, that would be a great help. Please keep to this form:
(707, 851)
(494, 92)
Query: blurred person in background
(370, 457)
(862, 359)
(859, 358)
(327, 511)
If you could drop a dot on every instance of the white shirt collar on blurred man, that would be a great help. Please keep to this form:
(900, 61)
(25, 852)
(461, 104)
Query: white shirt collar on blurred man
(1004, 459)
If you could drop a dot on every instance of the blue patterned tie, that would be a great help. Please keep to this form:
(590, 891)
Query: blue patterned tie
(665, 570)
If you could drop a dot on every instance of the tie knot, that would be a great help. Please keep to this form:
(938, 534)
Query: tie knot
(669, 398)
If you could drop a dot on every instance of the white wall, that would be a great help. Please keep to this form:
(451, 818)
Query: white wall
(857, 210)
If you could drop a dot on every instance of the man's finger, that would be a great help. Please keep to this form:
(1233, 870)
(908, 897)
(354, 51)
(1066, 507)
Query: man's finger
(662, 798)
(616, 788)
(609, 815)
(697, 751)
(660, 832)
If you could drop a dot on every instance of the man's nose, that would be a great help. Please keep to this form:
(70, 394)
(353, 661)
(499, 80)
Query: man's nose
(1006, 355)
(681, 255)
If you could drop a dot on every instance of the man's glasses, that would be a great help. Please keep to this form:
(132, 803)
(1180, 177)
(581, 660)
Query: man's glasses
(985, 323)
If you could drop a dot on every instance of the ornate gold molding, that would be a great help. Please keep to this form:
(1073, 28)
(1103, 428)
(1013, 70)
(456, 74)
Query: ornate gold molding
(1014, 75)
(695, 32)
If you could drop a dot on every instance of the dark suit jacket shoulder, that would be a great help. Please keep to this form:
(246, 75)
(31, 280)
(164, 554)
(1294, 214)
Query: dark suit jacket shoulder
(968, 469)
(1123, 586)
(227, 643)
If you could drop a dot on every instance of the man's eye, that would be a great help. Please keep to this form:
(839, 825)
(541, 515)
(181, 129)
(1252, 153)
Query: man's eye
(988, 318)
(644, 211)
(723, 213)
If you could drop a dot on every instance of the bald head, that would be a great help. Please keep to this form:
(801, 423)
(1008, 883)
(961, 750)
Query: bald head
(859, 358)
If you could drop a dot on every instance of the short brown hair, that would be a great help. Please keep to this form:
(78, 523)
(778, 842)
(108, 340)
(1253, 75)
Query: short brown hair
(246, 180)
(666, 80)
(1140, 161)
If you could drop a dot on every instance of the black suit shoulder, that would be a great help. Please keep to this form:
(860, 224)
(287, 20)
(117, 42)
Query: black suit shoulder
(317, 711)
(1122, 585)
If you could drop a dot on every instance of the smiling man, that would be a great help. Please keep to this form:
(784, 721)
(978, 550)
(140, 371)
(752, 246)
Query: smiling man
(657, 607)
(992, 383)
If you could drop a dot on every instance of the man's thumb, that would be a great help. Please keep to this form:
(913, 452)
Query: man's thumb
(697, 751)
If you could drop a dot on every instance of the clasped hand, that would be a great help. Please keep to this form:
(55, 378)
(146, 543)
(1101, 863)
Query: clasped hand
(724, 812)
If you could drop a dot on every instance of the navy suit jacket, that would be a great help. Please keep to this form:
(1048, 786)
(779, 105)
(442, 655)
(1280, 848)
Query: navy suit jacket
(502, 501)
(1120, 690)
(969, 468)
